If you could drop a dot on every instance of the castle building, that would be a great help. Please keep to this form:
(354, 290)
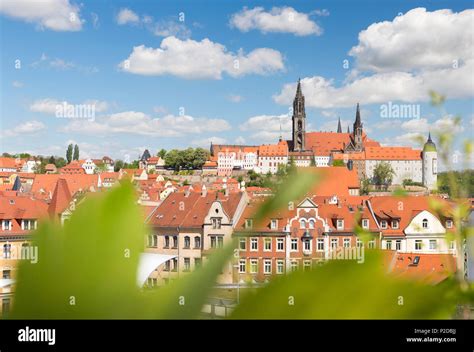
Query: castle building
(353, 148)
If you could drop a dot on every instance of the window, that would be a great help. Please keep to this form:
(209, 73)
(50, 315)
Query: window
(294, 244)
(7, 225)
(267, 244)
(242, 266)
(307, 245)
(449, 224)
(254, 244)
(167, 266)
(175, 264)
(28, 224)
(248, 223)
(311, 224)
(175, 241)
(152, 241)
(302, 224)
(294, 265)
(425, 223)
(340, 224)
(433, 244)
(7, 251)
(307, 265)
(253, 266)
(197, 242)
(398, 245)
(151, 282)
(187, 264)
(320, 247)
(359, 243)
(197, 262)
(267, 266)
(347, 242)
(383, 224)
(5, 306)
(279, 266)
(274, 224)
(388, 244)
(187, 242)
(280, 244)
(216, 223)
(6, 274)
(167, 242)
(217, 242)
(334, 243)
(395, 224)
(365, 223)
(371, 244)
(242, 244)
(418, 245)
(452, 245)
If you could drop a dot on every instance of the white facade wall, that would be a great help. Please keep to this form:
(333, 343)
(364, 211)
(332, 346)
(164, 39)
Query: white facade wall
(430, 169)
(321, 161)
(404, 169)
(270, 163)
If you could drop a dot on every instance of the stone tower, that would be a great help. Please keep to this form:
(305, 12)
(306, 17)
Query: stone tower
(357, 131)
(430, 164)
(299, 120)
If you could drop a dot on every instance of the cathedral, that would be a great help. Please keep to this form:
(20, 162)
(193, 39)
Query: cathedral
(353, 149)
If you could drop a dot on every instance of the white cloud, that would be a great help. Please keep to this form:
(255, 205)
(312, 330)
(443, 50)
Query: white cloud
(127, 16)
(401, 60)
(235, 98)
(25, 128)
(50, 106)
(56, 15)
(206, 142)
(44, 62)
(266, 128)
(446, 123)
(170, 28)
(240, 140)
(139, 123)
(192, 59)
(17, 84)
(418, 39)
(322, 12)
(277, 20)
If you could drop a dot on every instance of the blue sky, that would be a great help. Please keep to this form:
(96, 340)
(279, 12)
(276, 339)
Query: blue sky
(169, 96)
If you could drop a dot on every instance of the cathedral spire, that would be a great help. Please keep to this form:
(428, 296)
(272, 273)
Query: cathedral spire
(299, 93)
(339, 128)
(299, 120)
(348, 129)
(358, 122)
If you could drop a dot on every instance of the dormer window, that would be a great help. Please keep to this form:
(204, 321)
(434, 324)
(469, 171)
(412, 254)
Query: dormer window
(424, 223)
(449, 224)
(7, 225)
(274, 224)
(248, 223)
(383, 224)
(365, 223)
(216, 223)
(395, 224)
(340, 224)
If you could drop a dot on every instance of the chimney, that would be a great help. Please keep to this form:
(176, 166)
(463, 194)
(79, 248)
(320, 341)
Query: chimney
(204, 191)
(226, 190)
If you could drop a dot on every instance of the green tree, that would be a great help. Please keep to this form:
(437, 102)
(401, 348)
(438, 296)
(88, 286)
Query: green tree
(162, 153)
(200, 157)
(365, 186)
(60, 162)
(52, 160)
(76, 152)
(172, 159)
(383, 174)
(69, 153)
(118, 165)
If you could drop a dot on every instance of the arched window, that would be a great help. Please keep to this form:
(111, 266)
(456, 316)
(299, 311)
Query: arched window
(187, 242)
(425, 223)
(311, 224)
(302, 224)
(197, 242)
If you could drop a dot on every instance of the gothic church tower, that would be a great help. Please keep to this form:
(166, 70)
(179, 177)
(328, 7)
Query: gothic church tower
(299, 120)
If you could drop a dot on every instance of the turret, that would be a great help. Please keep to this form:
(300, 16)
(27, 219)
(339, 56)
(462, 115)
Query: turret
(430, 164)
